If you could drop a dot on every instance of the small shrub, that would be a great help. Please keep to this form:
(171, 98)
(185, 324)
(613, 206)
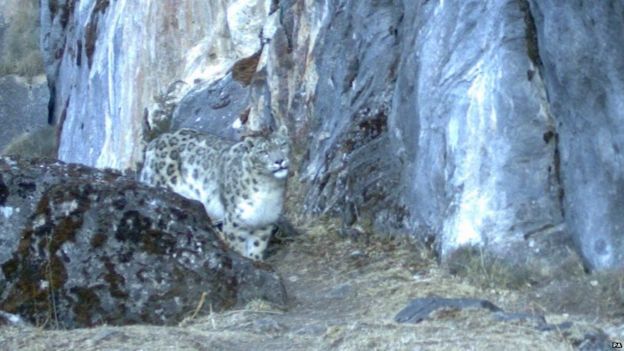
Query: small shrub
(41, 142)
(486, 270)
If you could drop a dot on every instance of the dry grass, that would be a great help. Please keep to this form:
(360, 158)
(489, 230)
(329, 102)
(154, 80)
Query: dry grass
(21, 54)
(41, 142)
(344, 295)
(488, 271)
(596, 295)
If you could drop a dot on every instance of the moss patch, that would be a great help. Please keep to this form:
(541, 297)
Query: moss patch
(132, 227)
(98, 240)
(86, 305)
(64, 231)
(157, 242)
(114, 280)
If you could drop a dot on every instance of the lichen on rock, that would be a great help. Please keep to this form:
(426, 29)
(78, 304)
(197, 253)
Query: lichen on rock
(97, 247)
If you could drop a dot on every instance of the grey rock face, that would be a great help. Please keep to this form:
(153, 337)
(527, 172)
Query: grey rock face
(349, 167)
(422, 128)
(472, 150)
(212, 108)
(580, 45)
(107, 60)
(471, 123)
(461, 123)
(82, 247)
(23, 107)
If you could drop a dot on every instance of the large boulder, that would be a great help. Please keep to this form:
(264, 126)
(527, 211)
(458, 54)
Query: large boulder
(82, 247)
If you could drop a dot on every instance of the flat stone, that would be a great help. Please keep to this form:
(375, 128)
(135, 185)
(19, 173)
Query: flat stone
(419, 309)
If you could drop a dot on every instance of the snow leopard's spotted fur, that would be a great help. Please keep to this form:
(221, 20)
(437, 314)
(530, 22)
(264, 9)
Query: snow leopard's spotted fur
(240, 184)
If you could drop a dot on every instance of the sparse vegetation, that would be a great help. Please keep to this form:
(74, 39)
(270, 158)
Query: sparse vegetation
(344, 295)
(41, 142)
(487, 271)
(598, 294)
(21, 54)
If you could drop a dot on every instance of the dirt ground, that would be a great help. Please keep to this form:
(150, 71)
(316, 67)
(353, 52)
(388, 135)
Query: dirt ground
(344, 295)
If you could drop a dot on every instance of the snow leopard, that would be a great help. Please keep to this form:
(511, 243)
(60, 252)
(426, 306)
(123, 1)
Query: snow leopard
(241, 184)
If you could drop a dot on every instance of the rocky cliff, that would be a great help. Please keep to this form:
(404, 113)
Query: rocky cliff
(493, 123)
